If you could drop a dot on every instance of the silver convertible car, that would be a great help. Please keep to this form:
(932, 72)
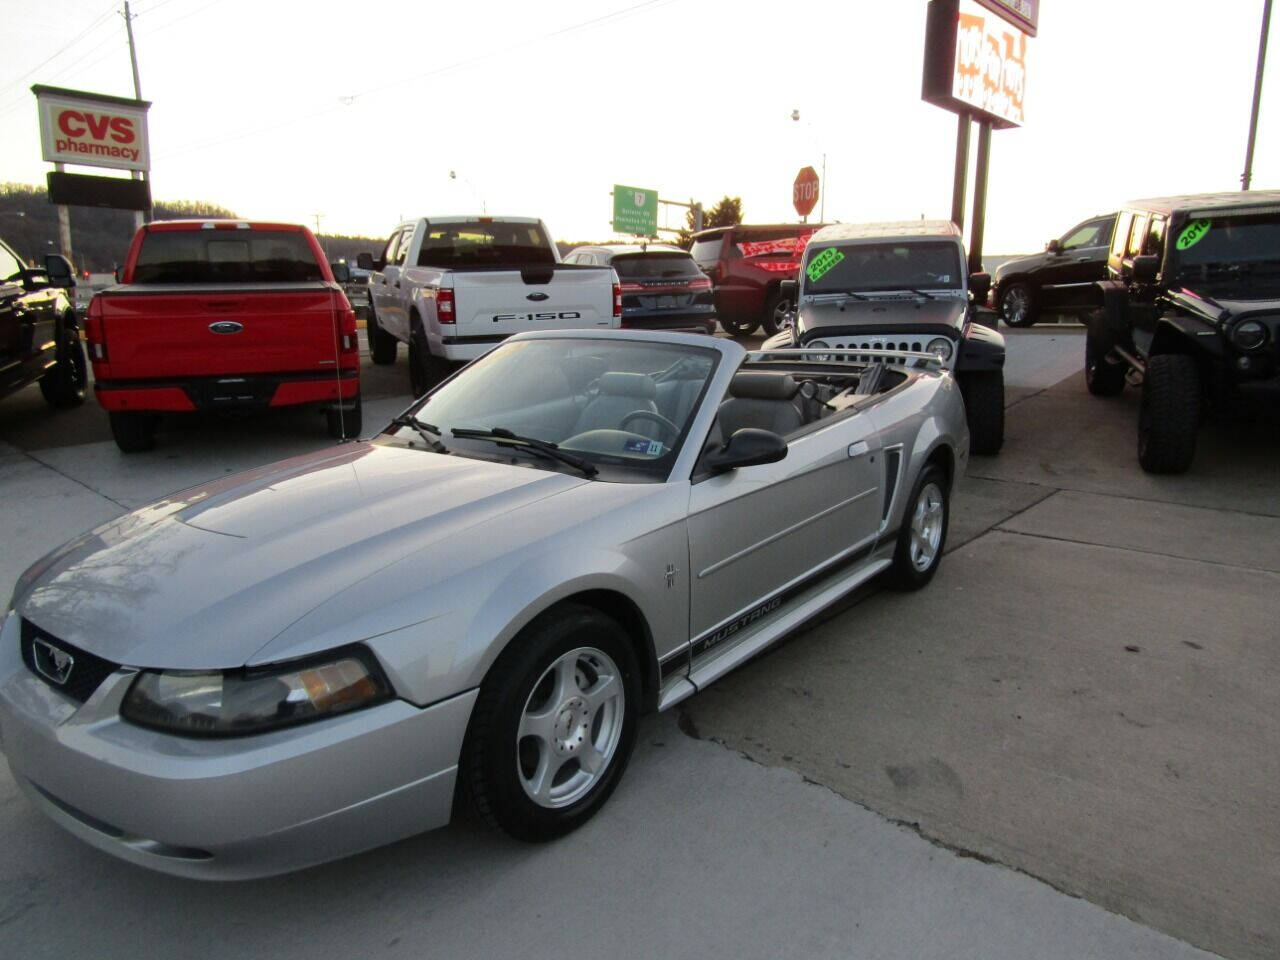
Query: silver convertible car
(474, 607)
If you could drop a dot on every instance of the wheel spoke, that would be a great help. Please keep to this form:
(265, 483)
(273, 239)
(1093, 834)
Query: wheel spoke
(602, 691)
(539, 785)
(920, 543)
(538, 725)
(590, 759)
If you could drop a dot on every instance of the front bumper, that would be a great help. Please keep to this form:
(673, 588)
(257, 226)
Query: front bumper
(230, 808)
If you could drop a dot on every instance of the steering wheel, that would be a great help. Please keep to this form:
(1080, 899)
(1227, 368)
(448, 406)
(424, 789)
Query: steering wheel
(667, 426)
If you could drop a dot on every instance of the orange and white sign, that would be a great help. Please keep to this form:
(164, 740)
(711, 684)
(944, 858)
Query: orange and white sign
(92, 129)
(991, 64)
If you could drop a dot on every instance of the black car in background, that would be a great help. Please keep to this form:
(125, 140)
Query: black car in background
(39, 332)
(1060, 280)
(662, 288)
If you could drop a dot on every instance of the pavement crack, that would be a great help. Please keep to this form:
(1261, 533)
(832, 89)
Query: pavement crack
(1138, 550)
(62, 473)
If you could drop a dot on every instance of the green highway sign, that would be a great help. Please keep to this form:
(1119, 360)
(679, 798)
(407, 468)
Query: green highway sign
(635, 211)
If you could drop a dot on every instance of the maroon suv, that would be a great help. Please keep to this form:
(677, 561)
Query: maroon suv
(746, 263)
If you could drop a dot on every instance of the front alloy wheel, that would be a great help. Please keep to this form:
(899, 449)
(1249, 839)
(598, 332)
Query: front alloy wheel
(924, 531)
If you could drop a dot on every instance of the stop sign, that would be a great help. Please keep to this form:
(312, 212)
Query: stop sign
(804, 192)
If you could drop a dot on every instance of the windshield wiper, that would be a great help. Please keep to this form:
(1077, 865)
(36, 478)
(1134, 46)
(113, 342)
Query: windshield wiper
(423, 429)
(503, 435)
(921, 293)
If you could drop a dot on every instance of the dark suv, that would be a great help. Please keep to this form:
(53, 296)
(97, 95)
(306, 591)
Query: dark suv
(662, 288)
(746, 263)
(39, 332)
(1191, 310)
(1060, 280)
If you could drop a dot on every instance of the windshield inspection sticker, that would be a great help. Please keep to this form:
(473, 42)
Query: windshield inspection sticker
(652, 447)
(821, 265)
(1193, 234)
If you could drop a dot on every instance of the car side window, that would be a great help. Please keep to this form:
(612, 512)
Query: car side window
(402, 248)
(1155, 237)
(1137, 234)
(1121, 236)
(389, 252)
(1091, 234)
(10, 265)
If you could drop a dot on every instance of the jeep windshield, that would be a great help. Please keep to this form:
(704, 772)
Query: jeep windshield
(871, 267)
(1229, 256)
(614, 410)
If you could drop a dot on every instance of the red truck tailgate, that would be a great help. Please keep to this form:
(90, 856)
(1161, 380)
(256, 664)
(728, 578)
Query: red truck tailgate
(165, 331)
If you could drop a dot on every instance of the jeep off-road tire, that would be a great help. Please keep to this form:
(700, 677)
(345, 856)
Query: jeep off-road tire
(983, 393)
(775, 310)
(1104, 379)
(1017, 305)
(553, 725)
(382, 345)
(133, 432)
(425, 369)
(1170, 413)
(64, 385)
(924, 531)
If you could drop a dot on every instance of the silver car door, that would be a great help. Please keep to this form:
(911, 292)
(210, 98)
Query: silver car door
(756, 534)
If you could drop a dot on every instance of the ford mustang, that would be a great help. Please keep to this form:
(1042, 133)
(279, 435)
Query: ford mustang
(473, 607)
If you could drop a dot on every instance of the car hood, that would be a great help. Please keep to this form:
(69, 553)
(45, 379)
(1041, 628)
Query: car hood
(1024, 264)
(210, 575)
(880, 314)
(1221, 309)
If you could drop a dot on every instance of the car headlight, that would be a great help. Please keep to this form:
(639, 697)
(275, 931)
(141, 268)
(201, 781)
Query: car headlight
(819, 357)
(1249, 335)
(941, 348)
(230, 702)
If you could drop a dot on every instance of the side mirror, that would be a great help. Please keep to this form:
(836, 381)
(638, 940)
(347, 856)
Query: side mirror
(1145, 267)
(746, 448)
(59, 271)
(1053, 246)
(365, 261)
(979, 286)
(789, 289)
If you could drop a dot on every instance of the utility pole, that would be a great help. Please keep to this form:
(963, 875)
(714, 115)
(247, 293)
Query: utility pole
(318, 218)
(139, 216)
(1247, 176)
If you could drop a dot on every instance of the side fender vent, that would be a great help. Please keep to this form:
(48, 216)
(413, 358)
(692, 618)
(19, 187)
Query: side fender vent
(892, 467)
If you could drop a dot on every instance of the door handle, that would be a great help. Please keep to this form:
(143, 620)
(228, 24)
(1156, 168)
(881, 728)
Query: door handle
(858, 449)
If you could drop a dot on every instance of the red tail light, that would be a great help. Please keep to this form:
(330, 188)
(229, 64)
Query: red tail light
(444, 306)
(617, 300)
(95, 332)
(702, 283)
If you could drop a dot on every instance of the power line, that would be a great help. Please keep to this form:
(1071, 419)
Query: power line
(101, 18)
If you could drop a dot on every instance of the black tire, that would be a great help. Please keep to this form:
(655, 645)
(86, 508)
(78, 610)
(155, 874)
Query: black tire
(907, 573)
(64, 385)
(1017, 305)
(346, 424)
(382, 345)
(134, 432)
(775, 309)
(1170, 413)
(425, 369)
(983, 393)
(1103, 379)
(738, 328)
(493, 770)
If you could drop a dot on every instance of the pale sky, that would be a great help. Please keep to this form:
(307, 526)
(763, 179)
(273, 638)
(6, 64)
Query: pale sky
(282, 110)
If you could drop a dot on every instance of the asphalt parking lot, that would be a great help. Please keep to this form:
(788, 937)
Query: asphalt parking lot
(1067, 746)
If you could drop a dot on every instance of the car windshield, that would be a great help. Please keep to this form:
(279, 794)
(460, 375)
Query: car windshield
(867, 267)
(655, 265)
(222, 255)
(1229, 255)
(486, 242)
(621, 406)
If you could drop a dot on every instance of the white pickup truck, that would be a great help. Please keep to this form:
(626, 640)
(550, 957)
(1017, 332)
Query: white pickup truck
(453, 287)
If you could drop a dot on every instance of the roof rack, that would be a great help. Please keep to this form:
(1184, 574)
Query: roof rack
(906, 358)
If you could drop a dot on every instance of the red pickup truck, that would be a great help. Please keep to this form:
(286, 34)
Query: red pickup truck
(222, 315)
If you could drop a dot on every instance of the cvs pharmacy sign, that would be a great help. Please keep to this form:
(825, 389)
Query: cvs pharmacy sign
(93, 129)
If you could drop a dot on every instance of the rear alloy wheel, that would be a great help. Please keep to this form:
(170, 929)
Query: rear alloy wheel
(425, 369)
(983, 394)
(64, 385)
(346, 424)
(382, 345)
(1170, 413)
(134, 432)
(924, 531)
(1018, 305)
(1103, 378)
(553, 726)
(775, 313)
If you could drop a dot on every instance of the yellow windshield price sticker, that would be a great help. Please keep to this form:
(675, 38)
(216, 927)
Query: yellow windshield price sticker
(1193, 233)
(821, 265)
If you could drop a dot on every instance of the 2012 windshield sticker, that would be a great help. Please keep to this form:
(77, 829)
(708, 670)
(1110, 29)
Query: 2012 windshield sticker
(821, 265)
(1193, 233)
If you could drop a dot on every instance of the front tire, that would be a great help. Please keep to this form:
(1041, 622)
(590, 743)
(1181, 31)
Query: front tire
(924, 531)
(983, 394)
(133, 432)
(1018, 305)
(425, 369)
(382, 345)
(553, 726)
(1104, 379)
(64, 385)
(1170, 413)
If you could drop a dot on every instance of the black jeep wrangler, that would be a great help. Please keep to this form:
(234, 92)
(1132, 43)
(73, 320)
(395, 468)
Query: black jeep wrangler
(1191, 311)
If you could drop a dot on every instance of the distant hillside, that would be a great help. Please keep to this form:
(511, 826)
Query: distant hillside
(100, 238)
